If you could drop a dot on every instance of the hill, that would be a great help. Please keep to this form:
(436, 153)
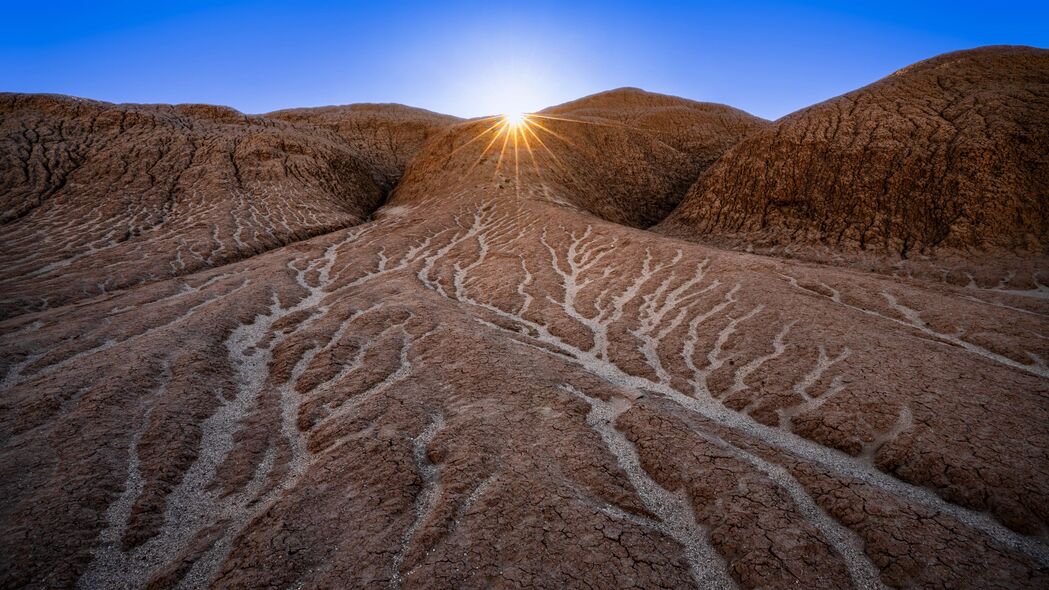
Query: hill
(945, 155)
(626, 156)
(97, 197)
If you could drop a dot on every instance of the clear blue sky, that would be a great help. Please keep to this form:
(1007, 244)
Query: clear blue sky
(471, 59)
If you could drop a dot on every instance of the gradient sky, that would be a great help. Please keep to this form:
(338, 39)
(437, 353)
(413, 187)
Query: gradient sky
(480, 58)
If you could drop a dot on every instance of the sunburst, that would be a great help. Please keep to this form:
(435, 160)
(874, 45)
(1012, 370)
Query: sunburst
(515, 119)
(514, 131)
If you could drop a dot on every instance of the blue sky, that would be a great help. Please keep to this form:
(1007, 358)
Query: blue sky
(480, 58)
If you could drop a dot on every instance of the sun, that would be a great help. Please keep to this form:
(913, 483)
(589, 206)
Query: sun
(515, 119)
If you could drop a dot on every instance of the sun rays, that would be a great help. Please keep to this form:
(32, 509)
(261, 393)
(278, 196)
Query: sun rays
(506, 136)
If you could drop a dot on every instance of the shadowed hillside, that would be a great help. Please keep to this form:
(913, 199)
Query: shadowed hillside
(386, 136)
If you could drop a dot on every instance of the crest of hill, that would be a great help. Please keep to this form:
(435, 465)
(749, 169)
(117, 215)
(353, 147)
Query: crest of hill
(619, 102)
(625, 155)
(701, 130)
(52, 141)
(947, 153)
(387, 135)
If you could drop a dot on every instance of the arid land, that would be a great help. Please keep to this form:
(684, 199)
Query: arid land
(634, 341)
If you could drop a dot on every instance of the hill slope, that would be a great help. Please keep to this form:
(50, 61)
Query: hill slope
(387, 136)
(95, 197)
(703, 131)
(625, 155)
(947, 153)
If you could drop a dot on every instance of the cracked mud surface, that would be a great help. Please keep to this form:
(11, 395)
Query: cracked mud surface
(495, 381)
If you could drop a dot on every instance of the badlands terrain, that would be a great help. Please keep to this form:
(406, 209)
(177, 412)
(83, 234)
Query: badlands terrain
(629, 341)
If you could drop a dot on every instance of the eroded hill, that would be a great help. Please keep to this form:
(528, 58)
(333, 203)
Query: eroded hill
(946, 157)
(703, 131)
(497, 382)
(97, 197)
(626, 155)
(386, 136)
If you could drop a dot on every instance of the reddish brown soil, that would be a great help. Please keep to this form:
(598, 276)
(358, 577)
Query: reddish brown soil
(496, 382)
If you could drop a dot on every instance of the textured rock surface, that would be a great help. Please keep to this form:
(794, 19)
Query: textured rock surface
(703, 131)
(948, 153)
(493, 383)
(386, 136)
(96, 197)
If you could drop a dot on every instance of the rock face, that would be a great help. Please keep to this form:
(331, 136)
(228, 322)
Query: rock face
(947, 153)
(495, 383)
